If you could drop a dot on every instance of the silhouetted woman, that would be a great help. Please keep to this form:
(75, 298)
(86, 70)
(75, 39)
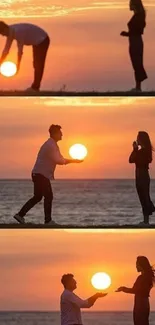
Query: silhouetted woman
(142, 157)
(141, 289)
(135, 31)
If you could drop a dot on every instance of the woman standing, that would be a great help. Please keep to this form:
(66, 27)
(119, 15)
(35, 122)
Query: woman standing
(141, 289)
(135, 31)
(142, 157)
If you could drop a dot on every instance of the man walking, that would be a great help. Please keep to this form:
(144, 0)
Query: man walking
(71, 304)
(48, 157)
(27, 34)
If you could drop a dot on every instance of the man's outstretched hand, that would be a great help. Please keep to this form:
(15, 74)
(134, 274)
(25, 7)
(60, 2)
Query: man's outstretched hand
(101, 294)
(18, 67)
(78, 161)
(73, 161)
(1, 60)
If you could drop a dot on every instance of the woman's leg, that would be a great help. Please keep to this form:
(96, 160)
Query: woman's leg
(151, 206)
(136, 56)
(142, 191)
(141, 314)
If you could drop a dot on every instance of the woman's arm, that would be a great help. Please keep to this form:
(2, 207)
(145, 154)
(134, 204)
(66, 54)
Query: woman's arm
(126, 290)
(133, 156)
(129, 290)
(132, 290)
(126, 34)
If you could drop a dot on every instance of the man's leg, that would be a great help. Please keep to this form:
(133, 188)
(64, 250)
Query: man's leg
(48, 198)
(39, 58)
(38, 194)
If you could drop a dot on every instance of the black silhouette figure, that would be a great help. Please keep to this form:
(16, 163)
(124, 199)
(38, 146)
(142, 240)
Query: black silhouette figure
(48, 158)
(135, 31)
(141, 289)
(27, 34)
(142, 157)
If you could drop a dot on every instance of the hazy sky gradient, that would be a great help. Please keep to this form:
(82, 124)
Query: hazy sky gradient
(86, 49)
(106, 126)
(31, 273)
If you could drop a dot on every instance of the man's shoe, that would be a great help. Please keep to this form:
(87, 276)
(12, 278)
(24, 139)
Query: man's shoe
(32, 90)
(19, 218)
(135, 90)
(144, 224)
(51, 223)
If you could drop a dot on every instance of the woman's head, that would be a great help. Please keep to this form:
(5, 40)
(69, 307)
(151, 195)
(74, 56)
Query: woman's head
(144, 141)
(143, 266)
(136, 6)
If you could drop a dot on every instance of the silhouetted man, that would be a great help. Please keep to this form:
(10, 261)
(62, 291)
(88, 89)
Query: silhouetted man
(71, 304)
(27, 34)
(48, 157)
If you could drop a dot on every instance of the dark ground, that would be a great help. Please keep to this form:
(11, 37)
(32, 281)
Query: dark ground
(45, 93)
(42, 226)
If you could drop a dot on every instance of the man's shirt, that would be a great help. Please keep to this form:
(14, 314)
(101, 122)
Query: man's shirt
(48, 157)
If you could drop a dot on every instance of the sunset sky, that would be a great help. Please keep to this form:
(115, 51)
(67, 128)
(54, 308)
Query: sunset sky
(86, 49)
(31, 273)
(106, 126)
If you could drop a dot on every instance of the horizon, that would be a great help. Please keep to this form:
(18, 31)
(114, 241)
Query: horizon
(58, 311)
(74, 179)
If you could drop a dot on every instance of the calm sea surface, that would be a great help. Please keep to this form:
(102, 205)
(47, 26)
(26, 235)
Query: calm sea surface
(53, 318)
(77, 202)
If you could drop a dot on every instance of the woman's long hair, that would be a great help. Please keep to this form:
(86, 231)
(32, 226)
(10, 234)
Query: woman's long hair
(146, 142)
(139, 8)
(148, 270)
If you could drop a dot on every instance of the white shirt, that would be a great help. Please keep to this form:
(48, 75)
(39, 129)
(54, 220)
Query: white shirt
(70, 306)
(48, 157)
(24, 34)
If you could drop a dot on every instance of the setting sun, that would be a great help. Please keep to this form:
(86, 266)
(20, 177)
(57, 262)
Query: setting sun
(78, 151)
(8, 69)
(101, 281)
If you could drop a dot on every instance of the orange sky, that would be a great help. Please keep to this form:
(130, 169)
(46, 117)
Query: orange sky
(85, 44)
(33, 261)
(107, 126)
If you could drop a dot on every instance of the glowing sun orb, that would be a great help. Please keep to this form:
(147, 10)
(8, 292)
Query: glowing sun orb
(78, 151)
(101, 281)
(8, 69)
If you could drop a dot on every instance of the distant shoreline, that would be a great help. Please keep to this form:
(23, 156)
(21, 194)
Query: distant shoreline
(58, 311)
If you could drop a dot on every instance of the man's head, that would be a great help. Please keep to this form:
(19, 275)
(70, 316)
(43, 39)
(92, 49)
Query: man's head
(55, 132)
(4, 29)
(69, 282)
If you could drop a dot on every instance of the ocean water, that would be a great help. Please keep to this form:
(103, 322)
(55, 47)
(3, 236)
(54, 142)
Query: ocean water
(77, 202)
(53, 318)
